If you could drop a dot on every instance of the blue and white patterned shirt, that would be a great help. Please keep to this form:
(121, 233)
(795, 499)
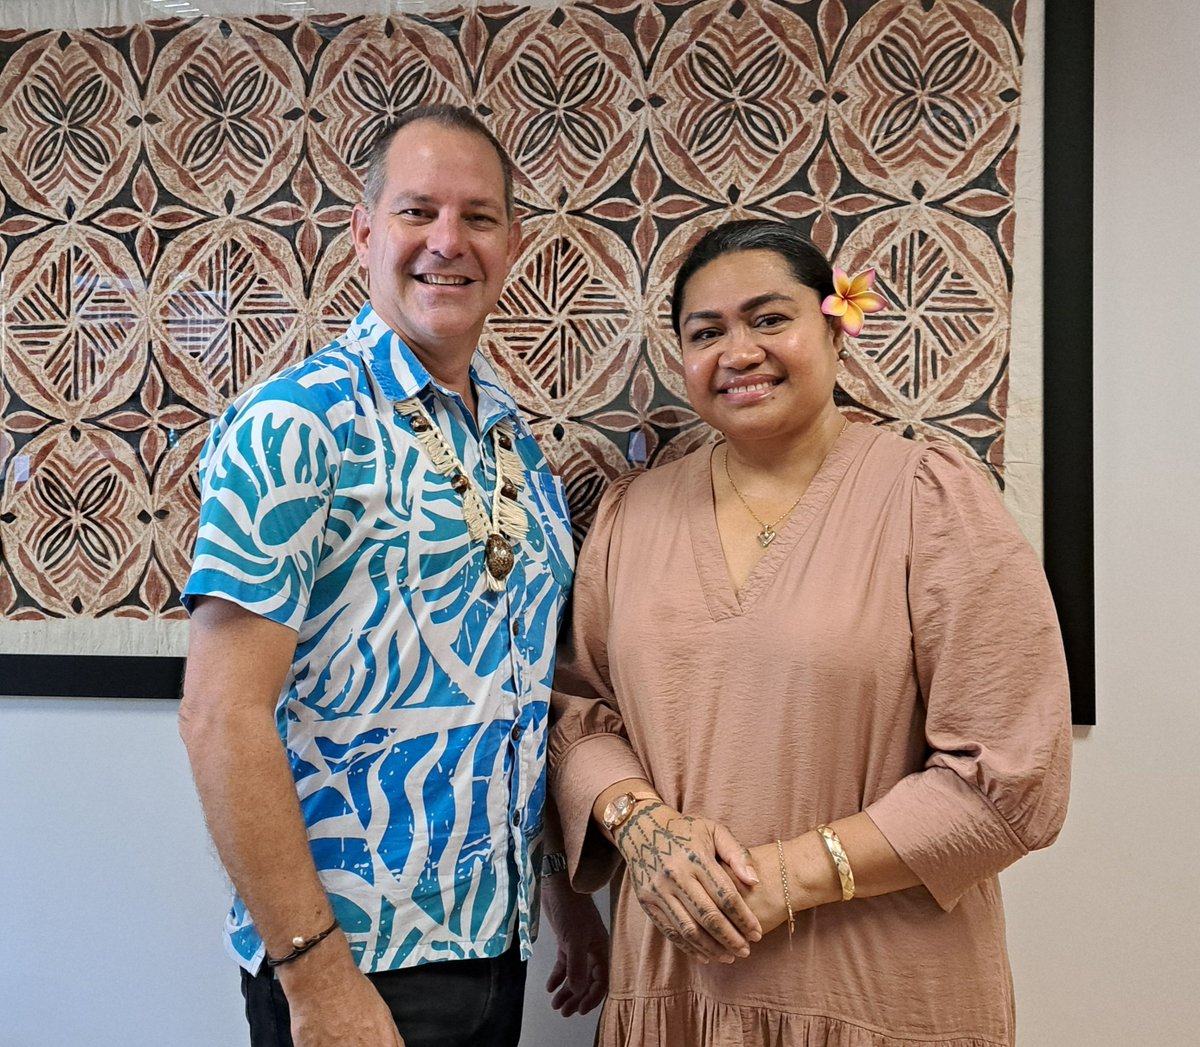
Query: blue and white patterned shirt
(415, 713)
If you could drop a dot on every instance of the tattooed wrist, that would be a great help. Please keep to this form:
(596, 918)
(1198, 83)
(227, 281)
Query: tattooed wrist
(647, 842)
(625, 833)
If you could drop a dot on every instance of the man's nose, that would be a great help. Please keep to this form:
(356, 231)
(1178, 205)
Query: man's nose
(446, 236)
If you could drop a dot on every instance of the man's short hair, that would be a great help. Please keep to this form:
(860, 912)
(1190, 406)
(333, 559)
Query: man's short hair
(453, 116)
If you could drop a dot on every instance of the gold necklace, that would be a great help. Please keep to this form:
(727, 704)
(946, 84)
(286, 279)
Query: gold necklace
(507, 517)
(767, 535)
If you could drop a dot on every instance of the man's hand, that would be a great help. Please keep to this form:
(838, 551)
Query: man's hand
(333, 1004)
(579, 979)
(680, 868)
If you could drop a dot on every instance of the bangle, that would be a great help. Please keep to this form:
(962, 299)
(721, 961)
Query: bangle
(834, 846)
(787, 898)
(552, 865)
(301, 945)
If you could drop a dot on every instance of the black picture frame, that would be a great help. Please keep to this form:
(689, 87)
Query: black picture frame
(1068, 522)
(1067, 413)
(89, 676)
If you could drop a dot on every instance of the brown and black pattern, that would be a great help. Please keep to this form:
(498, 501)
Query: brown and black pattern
(175, 196)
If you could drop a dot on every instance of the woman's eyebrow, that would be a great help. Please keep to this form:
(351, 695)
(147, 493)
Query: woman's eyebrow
(745, 307)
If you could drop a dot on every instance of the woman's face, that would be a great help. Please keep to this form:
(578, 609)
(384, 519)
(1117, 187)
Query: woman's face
(759, 357)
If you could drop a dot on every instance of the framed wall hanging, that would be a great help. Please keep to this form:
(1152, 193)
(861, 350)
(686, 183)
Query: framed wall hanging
(186, 235)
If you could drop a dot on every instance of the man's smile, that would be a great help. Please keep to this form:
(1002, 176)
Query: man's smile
(442, 280)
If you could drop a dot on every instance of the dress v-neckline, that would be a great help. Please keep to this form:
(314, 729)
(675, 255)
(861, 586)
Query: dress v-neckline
(724, 601)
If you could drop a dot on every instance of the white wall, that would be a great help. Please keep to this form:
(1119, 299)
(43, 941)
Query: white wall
(110, 897)
(1104, 927)
(98, 820)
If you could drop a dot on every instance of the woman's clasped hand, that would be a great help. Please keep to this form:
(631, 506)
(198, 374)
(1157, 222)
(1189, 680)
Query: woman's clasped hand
(684, 871)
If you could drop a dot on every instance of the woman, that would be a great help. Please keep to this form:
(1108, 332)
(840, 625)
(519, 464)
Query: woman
(815, 694)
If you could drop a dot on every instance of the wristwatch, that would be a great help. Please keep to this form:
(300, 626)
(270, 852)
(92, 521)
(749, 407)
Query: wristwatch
(621, 807)
(553, 864)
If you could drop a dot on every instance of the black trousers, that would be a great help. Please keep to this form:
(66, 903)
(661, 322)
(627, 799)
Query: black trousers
(455, 1003)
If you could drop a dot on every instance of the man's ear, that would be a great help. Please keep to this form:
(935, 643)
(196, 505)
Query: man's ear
(360, 231)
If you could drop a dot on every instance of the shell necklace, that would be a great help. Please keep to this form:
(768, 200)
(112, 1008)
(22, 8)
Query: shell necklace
(767, 535)
(507, 525)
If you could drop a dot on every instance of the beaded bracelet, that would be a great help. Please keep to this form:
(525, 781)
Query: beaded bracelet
(834, 846)
(302, 945)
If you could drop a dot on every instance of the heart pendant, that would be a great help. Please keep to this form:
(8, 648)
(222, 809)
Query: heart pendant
(766, 536)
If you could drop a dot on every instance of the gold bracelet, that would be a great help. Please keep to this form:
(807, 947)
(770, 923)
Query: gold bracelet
(834, 846)
(787, 898)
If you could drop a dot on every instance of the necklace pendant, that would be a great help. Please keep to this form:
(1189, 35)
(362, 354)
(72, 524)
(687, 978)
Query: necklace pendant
(766, 536)
(499, 557)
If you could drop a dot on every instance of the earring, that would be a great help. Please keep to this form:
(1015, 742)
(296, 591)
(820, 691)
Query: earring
(843, 354)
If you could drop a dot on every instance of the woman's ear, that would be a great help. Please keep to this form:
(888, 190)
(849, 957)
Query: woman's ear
(839, 337)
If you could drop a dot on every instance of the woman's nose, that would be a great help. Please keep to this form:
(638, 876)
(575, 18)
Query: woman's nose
(741, 349)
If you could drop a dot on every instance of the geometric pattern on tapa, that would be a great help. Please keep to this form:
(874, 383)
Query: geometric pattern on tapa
(175, 199)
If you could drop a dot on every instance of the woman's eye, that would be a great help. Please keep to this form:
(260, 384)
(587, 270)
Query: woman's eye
(703, 335)
(770, 320)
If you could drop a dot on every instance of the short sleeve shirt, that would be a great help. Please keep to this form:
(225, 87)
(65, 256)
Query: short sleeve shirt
(414, 715)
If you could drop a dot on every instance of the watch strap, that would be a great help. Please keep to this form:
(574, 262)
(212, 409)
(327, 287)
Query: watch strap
(553, 864)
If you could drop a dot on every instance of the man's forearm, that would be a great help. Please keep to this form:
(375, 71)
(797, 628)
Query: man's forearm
(237, 664)
(249, 800)
(253, 816)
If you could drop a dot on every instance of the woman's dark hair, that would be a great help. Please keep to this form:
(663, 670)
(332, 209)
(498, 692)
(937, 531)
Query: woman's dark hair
(455, 117)
(804, 259)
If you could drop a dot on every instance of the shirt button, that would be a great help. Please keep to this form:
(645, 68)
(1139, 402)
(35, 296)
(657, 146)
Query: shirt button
(517, 818)
(516, 628)
(516, 731)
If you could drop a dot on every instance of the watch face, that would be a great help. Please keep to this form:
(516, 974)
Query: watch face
(618, 810)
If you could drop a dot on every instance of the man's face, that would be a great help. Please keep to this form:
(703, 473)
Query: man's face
(438, 244)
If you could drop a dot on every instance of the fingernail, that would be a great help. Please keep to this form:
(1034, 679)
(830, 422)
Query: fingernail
(753, 877)
(754, 936)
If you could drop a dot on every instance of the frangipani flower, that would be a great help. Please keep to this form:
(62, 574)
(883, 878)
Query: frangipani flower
(852, 298)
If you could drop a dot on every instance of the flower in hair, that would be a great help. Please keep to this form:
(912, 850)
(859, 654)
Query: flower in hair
(852, 299)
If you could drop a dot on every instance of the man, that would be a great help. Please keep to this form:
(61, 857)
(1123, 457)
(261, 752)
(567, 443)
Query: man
(381, 566)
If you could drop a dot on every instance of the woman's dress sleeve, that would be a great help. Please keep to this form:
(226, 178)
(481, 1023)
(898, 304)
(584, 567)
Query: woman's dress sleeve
(589, 748)
(993, 679)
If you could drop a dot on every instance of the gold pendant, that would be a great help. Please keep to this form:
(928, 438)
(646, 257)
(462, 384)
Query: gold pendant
(766, 536)
(499, 557)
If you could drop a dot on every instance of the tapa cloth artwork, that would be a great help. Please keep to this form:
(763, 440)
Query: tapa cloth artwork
(174, 207)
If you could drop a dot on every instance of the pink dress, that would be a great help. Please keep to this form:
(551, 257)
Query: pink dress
(895, 651)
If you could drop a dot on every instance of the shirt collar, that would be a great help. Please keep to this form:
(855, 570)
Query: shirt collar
(401, 375)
